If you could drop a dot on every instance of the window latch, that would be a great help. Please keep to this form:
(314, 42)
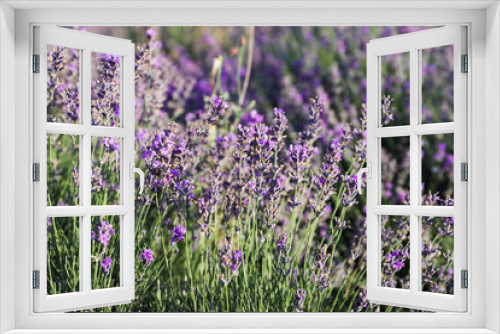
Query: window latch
(132, 171)
(368, 171)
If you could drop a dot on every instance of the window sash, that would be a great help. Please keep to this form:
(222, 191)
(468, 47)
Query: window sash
(87, 43)
(413, 42)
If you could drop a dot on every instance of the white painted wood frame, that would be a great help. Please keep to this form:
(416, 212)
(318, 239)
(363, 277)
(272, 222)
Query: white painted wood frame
(413, 43)
(482, 18)
(86, 43)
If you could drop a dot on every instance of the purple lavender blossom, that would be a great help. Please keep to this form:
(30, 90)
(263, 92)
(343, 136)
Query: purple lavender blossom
(323, 278)
(237, 261)
(147, 257)
(217, 107)
(281, 244)
(179, 233)
(106, 265)
(300, 298)
(104, 232)
(151, 33)
(243, 182)
(226, 256)
(230, 259)
(361, 303)
(387, 115)
(351, 192)
(251, 118)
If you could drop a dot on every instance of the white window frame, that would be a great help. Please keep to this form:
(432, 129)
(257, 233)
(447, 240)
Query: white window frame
(483, 102)
(413, 43)
(85, 43)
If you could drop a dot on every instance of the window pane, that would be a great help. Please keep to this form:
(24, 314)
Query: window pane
(63, 255)
(105, 89)
(437, 169)
(395, 79)
(63, 170)
(395, 238)
(395, 171)
(437, 84)
(63, 82)
(437, 254)
(105, 171)
(105, 252)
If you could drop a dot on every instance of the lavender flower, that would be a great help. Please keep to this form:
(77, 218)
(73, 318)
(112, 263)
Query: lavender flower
(106, 265)
(393, 262)
(104, 232)
(251, 118)
(147, 257)
(72, 103)
(151, 33)
(351, 192)
(237, 261)
(323, 278)
(230, 259)
(224, 175)
(216, 108)
(281, 244)
(106, 92)
(299, 157)
(300, 297)
(226, 258)
(387, 115)
(313, 125)
(179, 233)
(361, 303)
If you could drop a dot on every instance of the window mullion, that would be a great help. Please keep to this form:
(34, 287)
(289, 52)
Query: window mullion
(86, 170)
(414, 171)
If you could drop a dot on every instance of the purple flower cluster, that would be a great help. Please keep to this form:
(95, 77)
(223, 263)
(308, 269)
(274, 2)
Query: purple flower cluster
(283, 188)
(216, 108)
(102, 235)
(437, 255)
(300, 297)
(62, 85)
(230, 259)
(106, 265)
(393, 262)
(395, 251)
(361, 303)
(106, 92)
(147, 257)
(104, 232)
(179, 234)
(251, 118)
(322, 279)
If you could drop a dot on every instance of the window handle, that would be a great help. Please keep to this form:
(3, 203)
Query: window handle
(139, 171)
(368, 171)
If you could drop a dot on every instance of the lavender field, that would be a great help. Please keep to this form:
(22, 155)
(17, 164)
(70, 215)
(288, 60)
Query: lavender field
(250, 139)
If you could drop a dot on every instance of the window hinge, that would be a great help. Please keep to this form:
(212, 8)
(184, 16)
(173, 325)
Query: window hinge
(464, 171)
(465, 64)
(36, 279)
(465, 279)
(36, 63)
(36, 172)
